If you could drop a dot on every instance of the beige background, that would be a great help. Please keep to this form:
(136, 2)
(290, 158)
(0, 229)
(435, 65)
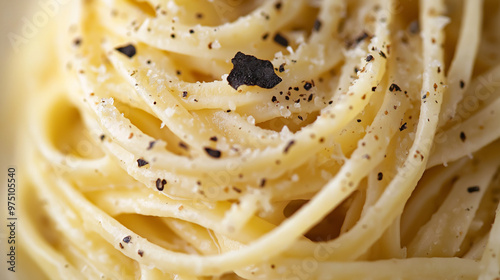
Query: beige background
(12, 13)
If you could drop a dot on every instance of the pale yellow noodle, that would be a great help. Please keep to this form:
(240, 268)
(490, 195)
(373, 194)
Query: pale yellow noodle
(374, 157)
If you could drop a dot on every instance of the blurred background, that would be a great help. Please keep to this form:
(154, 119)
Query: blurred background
(15, 18)
(11, 14)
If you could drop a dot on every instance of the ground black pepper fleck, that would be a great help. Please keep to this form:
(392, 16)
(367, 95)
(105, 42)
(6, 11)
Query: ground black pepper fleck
(77, 42)
(288, 146)
(473, 189)
(394, 87)
(128, 50)
(141, 162)
(127, 239)
(151, 144)
(160, 184)
(212, 152)
(362, 37)
(403, 127)
(357, 40)
(380, 176)
(317, 25)
(236, 190)
(462, 136)
(279, 39)
(183, 145)
(414, 27)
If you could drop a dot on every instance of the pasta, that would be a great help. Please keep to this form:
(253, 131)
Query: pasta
(234, 139)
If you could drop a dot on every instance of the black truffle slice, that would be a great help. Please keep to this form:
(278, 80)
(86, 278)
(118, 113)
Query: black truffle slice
(251, 71)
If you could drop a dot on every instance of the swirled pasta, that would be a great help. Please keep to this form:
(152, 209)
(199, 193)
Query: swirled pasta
(279, 139)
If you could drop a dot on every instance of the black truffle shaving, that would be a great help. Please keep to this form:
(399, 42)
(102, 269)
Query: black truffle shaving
(278, 38)
(128, 50)
(251, 71)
